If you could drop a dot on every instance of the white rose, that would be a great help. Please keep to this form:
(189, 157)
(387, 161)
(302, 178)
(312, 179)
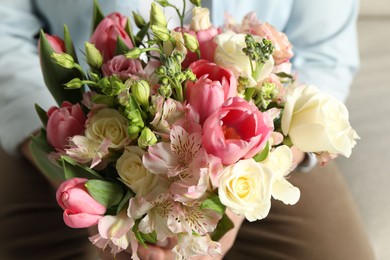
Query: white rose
(279, 161)
(109, 124)
(133, 173)
(200, 19)
(245, 188)
(229, 54)
(317, 122)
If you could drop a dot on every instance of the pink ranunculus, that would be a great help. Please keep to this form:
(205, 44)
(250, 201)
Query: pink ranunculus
(237, 130)
(207, 45)
(80, 209)
(64, 122)
(107, 32)
(213, 87)
(123, 67)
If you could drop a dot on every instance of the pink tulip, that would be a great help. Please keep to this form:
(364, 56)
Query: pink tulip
(107, 32)
(213, 87)
(237, 130)
(207, 45)
(63, 123)
(55, 42)
(123, 67)
(80, 209)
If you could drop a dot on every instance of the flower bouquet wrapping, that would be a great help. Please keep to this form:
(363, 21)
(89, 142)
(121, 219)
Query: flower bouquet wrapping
(169, 128)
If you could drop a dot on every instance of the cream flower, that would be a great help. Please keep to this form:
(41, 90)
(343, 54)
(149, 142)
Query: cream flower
(109, 124)
(200, 19)
(229, 54)
(245, 188)
(317, 122)
(133, 173)
(279, 161)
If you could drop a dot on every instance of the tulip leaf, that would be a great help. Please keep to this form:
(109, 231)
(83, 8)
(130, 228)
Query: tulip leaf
(106, 193)
(40, 150)
(69, 47)
(121, 47)
(125, 201)
(56, 76)
(263, 154)
(129, 31)
(214, 204)
(141, 34)
(72, 169)
(223, 226)
(42, 114)
(98, 15)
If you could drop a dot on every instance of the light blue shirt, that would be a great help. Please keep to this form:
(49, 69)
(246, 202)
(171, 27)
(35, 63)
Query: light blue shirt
(323, 34)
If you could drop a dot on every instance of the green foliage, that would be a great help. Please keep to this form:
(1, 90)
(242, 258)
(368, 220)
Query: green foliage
(72, 169)
(224, 225)
(263, 154)
(98, 15)
(213, 203)
(42, 114)
(106, 193)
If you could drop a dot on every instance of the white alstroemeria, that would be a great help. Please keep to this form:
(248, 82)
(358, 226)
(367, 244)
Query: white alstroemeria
(189, 245)
(115, 231)
(279, 161)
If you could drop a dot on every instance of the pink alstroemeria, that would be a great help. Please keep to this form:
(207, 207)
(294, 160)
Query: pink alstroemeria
(189, 245)
(115, 231)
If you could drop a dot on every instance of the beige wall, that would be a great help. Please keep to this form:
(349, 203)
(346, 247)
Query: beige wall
(375, 7)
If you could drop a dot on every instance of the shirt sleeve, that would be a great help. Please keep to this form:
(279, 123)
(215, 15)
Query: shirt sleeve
(21, 81)
(323, 34)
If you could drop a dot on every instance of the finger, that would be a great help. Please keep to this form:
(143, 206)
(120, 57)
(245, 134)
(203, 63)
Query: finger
(153, 252)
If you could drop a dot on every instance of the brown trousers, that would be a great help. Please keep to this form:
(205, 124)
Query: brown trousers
(323, 225)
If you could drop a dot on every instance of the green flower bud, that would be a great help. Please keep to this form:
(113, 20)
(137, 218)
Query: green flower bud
(161, 32)
(136, 123)
(93, 56)
(157, 16)
(196, 2)
(147, 138)
(191, 42)
(134, 53)
(75, 83)
(141, 92)
(63, 59)
(139, 20)
(165, 91)
(163, 3)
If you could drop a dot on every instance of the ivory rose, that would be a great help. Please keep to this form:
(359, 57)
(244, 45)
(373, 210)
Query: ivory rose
(317, 122)
(64, 122)
(213, 87)
(229, 54)
(245, 188)
(108, 124)
(236, 130)
(133, 173)
(80, 209)
(123, 67)
(107, 32)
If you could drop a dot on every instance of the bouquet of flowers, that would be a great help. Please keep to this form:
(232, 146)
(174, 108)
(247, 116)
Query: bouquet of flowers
(169, 128)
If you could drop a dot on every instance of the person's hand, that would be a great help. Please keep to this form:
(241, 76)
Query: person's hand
(298, 155)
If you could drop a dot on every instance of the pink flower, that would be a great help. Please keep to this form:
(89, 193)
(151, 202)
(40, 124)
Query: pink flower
(207, 45)
(213, 87)
(56, 43)
(123, 67)
(80, 209)
(64, 122)
(236, 130)
(106, 34)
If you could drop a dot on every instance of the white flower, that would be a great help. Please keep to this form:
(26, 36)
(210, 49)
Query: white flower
(189, 245)
(317, 122)
(133, 173)
(245, 188)
(200, 19)
(279, 161)
(229, 54)
(109, 124)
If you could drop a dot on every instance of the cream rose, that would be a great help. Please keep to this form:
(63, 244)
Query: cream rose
(133, 173)
(200, 19)
(317, 122)
(245, 188)
(229, 54)
(109, 124)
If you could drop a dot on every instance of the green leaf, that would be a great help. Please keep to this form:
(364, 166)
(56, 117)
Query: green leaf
(125, 201)
(98, 15)
(141, 34)
(138, 235)
(263, 154)
(39, 150)
(151, 237)
(121, 47)
(56, 76)
(129, 31)
(214, 204)
(223, 226)
(106, 193)
(72, 169)
(69, 47)
(284, 75)
(42, 114)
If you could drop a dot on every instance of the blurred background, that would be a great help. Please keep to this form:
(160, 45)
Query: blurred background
(368, 169)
